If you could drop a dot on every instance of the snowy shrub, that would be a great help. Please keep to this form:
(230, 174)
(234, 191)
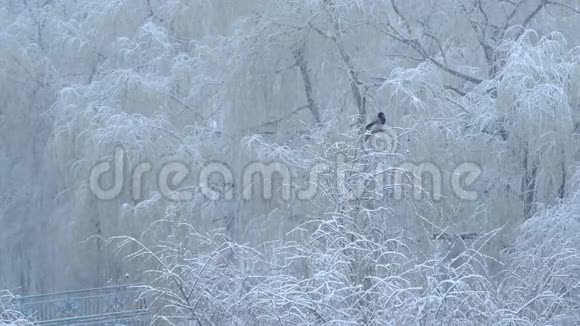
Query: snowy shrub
(9, 314)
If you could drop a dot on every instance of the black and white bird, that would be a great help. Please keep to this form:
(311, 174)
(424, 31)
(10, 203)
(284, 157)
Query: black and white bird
(377, 124)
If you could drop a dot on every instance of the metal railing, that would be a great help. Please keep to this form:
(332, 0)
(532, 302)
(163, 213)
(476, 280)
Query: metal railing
(107, 306)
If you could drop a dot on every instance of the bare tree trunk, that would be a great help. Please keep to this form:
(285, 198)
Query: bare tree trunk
(529, 184)
(355, 82)
(301, 62)
(562, 190)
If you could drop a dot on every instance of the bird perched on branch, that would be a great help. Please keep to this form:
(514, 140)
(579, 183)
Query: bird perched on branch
(377, 124)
